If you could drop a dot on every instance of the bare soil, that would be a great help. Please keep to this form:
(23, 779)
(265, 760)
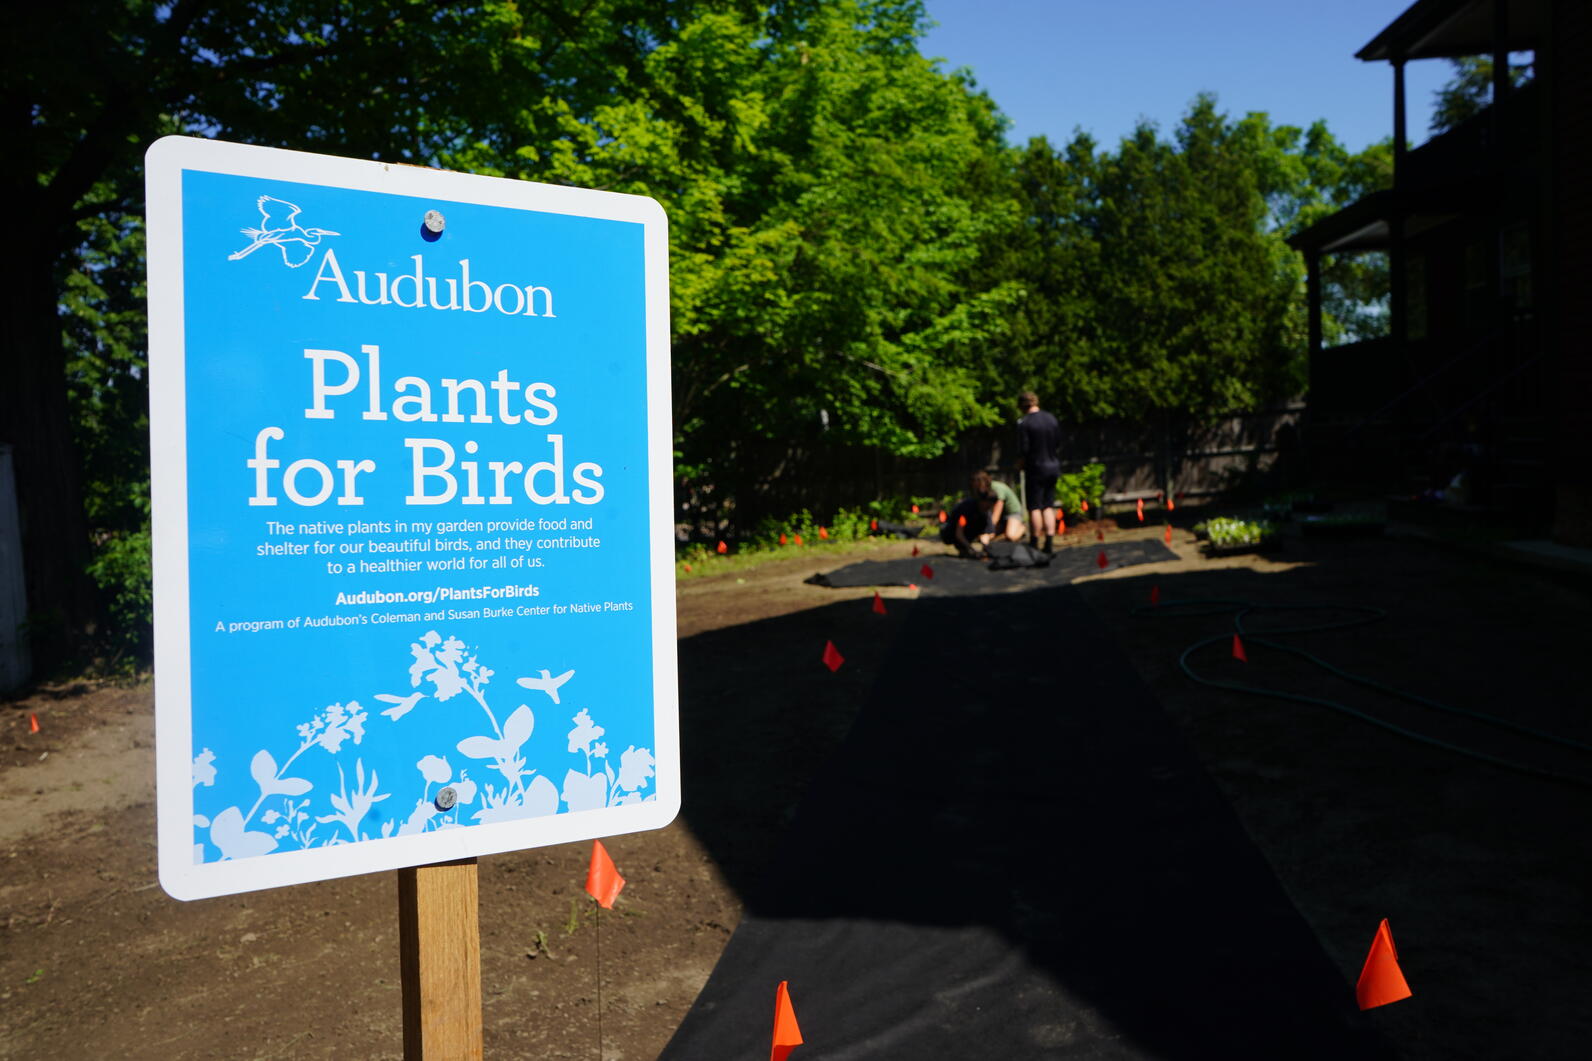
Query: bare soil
(1483, 872)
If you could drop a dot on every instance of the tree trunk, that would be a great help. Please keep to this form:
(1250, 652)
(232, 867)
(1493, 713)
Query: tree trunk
(35, 419)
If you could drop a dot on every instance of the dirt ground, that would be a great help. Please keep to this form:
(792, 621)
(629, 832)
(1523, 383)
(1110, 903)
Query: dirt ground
(1483, 872)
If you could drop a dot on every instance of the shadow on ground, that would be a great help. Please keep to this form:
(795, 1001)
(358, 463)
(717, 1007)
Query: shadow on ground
(1015, 852)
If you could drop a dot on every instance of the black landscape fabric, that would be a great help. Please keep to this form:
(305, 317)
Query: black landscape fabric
(1067, 564)
(1027, 863)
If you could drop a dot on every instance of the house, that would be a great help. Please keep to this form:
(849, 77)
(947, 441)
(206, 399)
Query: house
(1479, 391)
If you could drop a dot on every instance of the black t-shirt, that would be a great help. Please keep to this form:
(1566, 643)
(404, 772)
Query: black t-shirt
(1039, 438)
(977, 522)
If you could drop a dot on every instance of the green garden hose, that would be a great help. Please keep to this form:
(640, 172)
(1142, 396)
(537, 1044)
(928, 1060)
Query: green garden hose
(1365, 614)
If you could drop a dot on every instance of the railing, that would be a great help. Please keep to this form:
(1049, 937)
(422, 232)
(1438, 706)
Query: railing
(1483, 143)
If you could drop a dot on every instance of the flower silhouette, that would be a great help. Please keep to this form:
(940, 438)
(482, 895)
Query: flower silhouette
(435, 770)
(441, 668)
(584, 733)
(204, 770)
(636, 765)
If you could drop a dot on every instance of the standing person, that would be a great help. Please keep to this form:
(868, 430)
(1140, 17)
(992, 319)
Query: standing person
(1039, 440)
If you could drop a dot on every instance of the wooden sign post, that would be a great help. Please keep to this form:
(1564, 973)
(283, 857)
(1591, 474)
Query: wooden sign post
(439, 941)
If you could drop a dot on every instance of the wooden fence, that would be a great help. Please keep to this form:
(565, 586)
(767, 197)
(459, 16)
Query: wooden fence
(1141, 457)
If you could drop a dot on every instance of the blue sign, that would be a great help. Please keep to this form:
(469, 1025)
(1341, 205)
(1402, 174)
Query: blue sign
(413, 539)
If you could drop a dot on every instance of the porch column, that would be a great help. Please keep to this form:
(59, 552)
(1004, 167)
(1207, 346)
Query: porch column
(1398, 119)
(1313, 299)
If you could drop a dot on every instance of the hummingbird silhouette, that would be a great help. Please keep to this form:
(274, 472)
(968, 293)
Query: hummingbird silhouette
(279, 228)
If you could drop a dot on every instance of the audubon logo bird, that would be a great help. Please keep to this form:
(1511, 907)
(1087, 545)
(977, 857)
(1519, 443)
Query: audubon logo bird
(279, 228)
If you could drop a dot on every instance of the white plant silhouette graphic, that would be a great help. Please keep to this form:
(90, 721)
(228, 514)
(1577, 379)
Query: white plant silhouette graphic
(441, 669)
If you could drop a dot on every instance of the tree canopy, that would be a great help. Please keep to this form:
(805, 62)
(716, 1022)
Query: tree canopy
(858, 259)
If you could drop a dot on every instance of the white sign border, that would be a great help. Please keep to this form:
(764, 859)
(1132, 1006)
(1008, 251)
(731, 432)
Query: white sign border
(165, 162)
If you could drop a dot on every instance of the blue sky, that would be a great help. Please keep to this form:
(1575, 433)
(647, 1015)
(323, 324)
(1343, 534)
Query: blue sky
(1054, 65)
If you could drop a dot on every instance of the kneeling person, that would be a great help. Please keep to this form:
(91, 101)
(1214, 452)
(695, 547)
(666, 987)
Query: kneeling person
(968, 523)
(1006, 515)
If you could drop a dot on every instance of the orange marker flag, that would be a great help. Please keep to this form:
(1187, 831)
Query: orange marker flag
(1381, 981)
(961, 521)
(1168, 534)
(1141, 510)
(603, 881)
(1170, 504)
(722, 547)
(798, 539)
(832, 657)
(688, 569)
(823, 534)
(914, 510)
(787, 1035)
(942, 515)
(782, 537)
(926, 571)
(873, 524)
(1084, 505)
(1238, 649)
(1101, 559)
(33, 723)
(878, 604)
(913, 586)
(1155, 594)
(914, 550)
(1061, 523)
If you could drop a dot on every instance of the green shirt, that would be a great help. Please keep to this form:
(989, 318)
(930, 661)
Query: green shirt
(1011, 505)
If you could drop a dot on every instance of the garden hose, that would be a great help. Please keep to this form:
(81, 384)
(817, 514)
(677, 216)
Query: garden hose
(1365, 614)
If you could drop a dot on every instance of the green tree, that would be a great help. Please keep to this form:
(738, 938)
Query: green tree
(95, 83)
(830, 193)
(1468, 90)
(417, 81)
(1158, 277)
(829, 190)
(1156, 282)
